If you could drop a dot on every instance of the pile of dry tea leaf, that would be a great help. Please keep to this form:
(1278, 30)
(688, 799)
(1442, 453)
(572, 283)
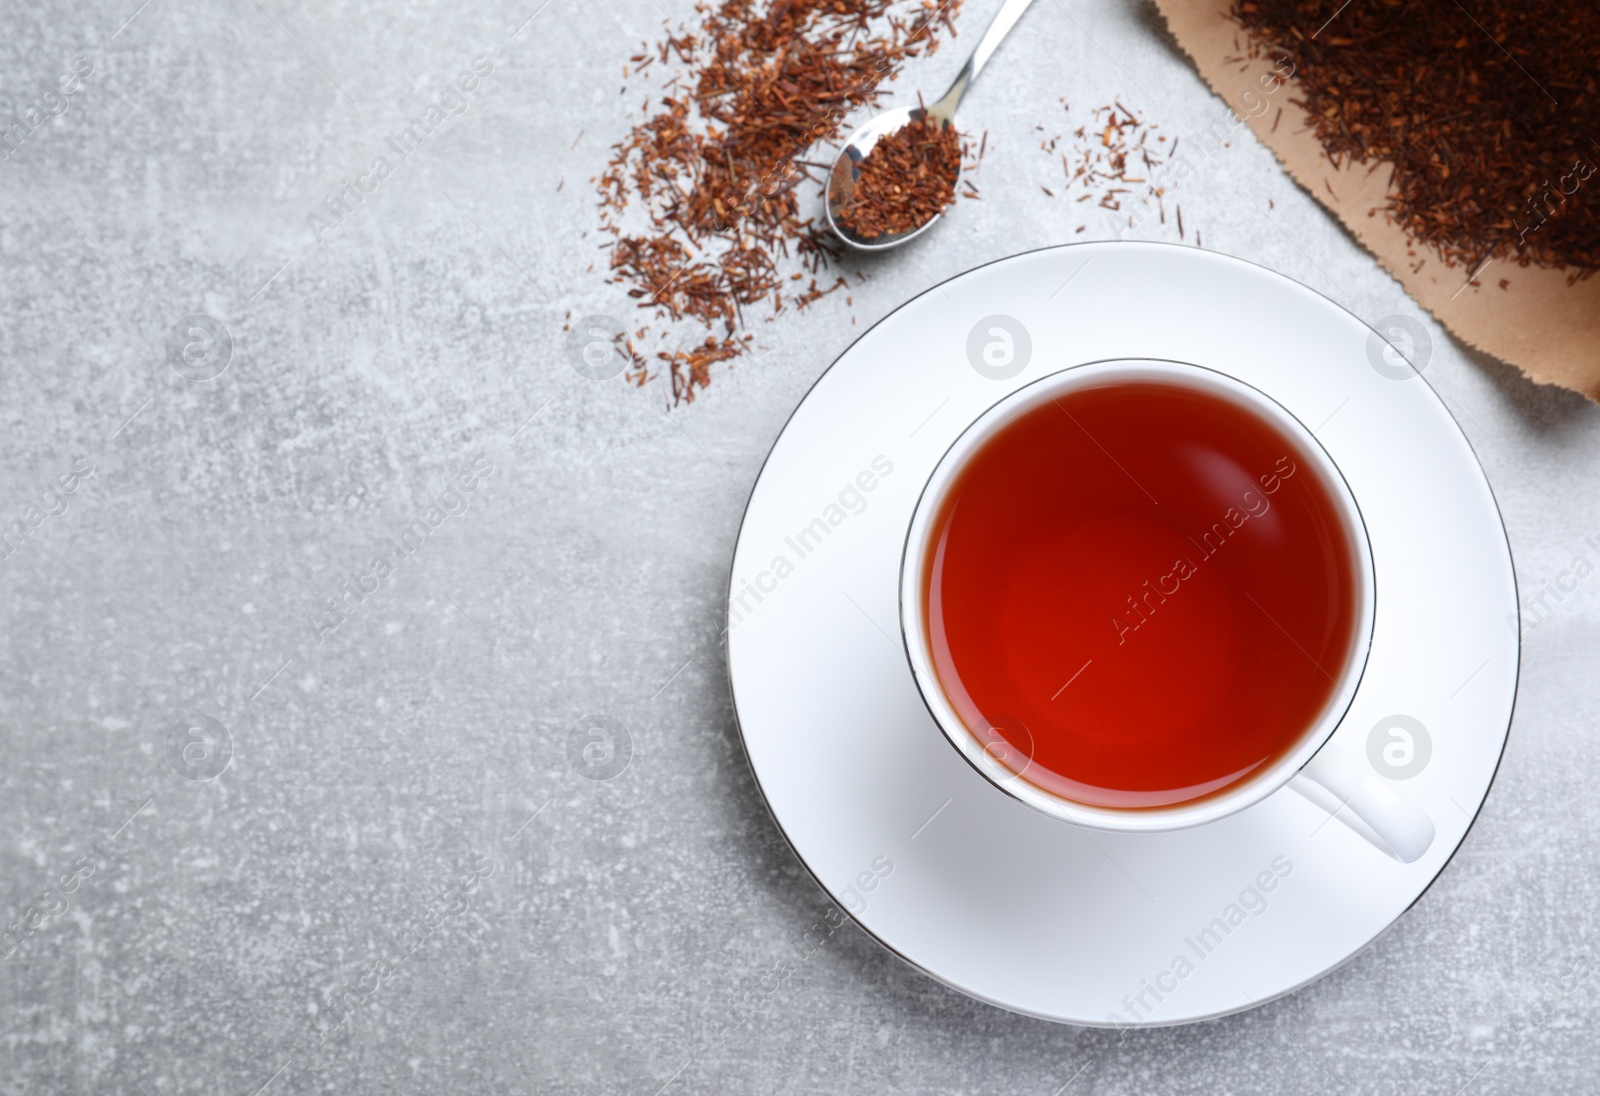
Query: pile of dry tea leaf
(1488, 110)
(700, 198)
(904, 181)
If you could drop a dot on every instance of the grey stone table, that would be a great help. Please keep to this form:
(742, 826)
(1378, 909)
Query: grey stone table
(220, 415)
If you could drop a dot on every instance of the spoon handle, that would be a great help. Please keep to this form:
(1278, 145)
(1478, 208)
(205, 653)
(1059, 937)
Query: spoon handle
(1007, 18)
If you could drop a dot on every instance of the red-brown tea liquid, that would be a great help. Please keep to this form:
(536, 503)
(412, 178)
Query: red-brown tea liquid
(1146, 589)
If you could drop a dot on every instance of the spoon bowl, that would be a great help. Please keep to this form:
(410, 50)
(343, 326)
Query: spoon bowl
(846, 170)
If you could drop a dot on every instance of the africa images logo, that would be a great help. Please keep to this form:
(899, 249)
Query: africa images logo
(1250, 903)
(50, 104)
(999, 347)
(851, 501)
(450, 103)
(1143, 603)
(354, 591)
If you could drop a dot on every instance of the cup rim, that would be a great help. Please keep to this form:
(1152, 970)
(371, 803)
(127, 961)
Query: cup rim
(912, 623)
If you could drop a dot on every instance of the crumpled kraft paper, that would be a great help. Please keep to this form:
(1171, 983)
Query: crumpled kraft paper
(1538, 322)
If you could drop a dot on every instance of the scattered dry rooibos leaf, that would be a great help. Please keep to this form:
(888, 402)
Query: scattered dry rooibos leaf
(700, 199)
(1122, 164)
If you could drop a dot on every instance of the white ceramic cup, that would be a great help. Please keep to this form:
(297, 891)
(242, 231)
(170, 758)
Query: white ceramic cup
(1337, 780)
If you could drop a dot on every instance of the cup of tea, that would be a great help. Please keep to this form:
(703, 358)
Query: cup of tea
(1138, 596)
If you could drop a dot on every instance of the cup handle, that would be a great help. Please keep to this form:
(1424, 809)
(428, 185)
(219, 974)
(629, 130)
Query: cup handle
(1367, 803)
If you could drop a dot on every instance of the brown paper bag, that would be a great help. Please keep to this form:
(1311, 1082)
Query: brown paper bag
(1538, 322)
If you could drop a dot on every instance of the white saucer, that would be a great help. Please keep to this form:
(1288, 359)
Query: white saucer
(983, 893)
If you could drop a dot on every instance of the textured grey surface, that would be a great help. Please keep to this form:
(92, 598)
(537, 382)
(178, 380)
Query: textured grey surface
(400, 789)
